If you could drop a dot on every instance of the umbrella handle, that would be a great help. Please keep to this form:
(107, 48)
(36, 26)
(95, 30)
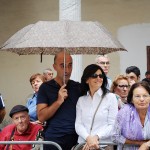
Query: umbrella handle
(64, 67)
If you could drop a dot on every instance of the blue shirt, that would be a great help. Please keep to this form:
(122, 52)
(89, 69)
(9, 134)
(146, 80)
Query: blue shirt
(31, 105)
(63, 121)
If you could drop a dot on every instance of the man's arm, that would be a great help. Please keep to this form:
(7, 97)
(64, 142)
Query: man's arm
(2, 109)
(2, 114)
(45, 112)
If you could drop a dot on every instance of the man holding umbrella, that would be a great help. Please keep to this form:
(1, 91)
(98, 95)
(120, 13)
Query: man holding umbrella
(56, 104)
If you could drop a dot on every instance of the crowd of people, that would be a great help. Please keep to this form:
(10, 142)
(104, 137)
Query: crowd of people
(94, 111)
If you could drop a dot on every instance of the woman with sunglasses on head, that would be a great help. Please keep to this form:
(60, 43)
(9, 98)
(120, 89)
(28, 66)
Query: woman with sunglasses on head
(120, 87)
(132, 126)
(95, 114)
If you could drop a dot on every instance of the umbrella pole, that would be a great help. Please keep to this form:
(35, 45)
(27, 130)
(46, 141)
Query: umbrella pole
(64, 67)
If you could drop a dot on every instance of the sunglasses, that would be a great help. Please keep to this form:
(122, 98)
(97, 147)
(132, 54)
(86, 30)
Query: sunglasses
(123, 86)
(94, 76)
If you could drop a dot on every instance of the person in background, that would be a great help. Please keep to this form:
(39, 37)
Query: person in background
(104, 62)
(56, 104)
(120, 86)
(133, 73)
(2, 109)
(35, 80)
(133, 120)
(48, 74)
(96, 96)
(147, 77)
(20, 130)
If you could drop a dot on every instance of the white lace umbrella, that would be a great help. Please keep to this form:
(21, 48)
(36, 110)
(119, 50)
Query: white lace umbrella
(75, 37)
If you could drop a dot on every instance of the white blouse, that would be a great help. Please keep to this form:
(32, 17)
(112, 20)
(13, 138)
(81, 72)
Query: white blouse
(104, 119)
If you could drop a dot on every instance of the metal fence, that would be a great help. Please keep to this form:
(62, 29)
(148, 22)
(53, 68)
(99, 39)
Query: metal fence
(41, 143)
(32, 142)
(79, 146)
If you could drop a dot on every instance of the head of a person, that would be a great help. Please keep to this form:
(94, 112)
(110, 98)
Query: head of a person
(63, 67)
(120, 86)
(20, 118)
(36, 80)
(147, 74)
(104, 62)
(139, 95)
(48, 74)
(93, 78)
(133, 74)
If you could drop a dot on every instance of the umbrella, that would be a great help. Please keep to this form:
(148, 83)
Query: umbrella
(50, 37)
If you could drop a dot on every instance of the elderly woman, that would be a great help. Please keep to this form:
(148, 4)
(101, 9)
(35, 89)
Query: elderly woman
(120, 87)
(95, 114)
(35, 80)
(133, 120)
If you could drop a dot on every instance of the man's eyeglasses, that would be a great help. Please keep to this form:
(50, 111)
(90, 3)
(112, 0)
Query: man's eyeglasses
(94, 76)
(50, 74)
(103, 63)
(138, 97)
(20, 118)
(123, 86)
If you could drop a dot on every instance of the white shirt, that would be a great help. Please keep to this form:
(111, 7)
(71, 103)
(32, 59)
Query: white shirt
(109, 83)
(104, 119)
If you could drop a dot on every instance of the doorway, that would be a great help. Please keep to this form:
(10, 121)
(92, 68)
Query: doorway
(148, 57)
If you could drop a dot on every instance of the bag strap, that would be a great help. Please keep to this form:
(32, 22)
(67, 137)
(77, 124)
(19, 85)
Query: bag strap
(95, 115)
(10, 139)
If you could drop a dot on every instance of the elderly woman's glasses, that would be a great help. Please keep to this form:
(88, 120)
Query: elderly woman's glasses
(94, 76)
(138, 97)
(123, 86)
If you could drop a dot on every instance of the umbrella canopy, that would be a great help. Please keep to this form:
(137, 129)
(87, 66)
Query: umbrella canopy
(50, 37)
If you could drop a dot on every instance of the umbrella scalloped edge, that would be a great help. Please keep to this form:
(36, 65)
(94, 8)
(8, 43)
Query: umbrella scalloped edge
(70, 50)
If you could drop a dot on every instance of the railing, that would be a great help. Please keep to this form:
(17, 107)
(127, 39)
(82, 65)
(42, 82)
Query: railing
(79, 146)
(31, 142)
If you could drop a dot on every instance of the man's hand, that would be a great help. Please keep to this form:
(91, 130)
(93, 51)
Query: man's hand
(62, 94)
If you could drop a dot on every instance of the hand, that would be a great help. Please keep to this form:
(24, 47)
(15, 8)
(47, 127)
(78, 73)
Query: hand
(85, 147)
(131, 82)
(62, 94)
(93, 142)
(145, 146)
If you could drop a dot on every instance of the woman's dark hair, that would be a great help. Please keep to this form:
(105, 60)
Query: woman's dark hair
(143, 84)
(87, 73)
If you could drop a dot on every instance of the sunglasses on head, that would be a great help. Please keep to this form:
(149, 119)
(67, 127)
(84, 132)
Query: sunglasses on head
(97, 75)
